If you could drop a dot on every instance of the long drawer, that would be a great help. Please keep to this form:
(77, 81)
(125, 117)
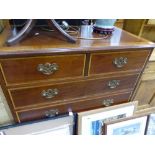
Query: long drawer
(48, 111)
(52, 94)
(103, 63)
(24, 70)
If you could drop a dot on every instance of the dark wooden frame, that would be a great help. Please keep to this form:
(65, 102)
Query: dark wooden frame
(123, 120)
(30, 23)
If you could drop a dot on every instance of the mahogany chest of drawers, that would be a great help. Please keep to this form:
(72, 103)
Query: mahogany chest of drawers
(44, 76)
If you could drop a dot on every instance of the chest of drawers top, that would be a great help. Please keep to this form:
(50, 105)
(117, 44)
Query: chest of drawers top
(87, 42)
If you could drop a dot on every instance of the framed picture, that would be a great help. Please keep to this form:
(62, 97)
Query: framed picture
(53, 126)
(2, 133)
(92, 122)
(127, 126)
(151, 125)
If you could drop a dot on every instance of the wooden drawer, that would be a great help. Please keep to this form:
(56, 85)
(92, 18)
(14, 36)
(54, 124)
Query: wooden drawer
(52, 94)
(24, 70)
(98, 102)
(117, 61)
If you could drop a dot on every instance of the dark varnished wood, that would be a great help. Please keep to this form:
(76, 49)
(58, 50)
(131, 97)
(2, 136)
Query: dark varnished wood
(13, 39)
(24, 70)
(24, 97)
(30, 23)
(39, 113)
(103, 62)
(54, 25)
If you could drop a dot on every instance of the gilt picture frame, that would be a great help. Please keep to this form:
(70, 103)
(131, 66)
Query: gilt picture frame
(135, 125)
(92, 122)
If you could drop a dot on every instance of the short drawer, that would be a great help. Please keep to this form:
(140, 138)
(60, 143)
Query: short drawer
(98, 102)
(102, 63)
(52, 94)
(24, 70)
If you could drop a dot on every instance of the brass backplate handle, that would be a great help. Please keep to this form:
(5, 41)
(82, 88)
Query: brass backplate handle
(108, 102)
(50, 93)
(48, 68)
(120, 62)
(51, 113)
(113, 83)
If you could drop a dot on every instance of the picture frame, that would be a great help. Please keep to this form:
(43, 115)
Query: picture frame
(150, 130)
(135, 125)
(62, 125)
(2, 133)
(92, 122)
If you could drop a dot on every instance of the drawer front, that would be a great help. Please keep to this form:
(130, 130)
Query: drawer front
(23, 70)
(49, 111)
(52, 94)
(117, 61)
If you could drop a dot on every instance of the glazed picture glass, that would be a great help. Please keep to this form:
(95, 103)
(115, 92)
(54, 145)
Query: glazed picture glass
(151, 125)
(92, 122)
(127, 126)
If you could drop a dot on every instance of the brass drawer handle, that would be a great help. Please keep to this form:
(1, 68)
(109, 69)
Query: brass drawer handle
(50, 93)
(113, 83)
(51, 113)
(47, 68)
(108, 102)
(120, 62)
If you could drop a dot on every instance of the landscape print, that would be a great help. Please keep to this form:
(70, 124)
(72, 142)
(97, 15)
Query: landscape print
(131, 129)
(97, 126)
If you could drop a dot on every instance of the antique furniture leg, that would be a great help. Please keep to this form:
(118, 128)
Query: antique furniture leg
(29, 26)
(22, 33)
(54, 25)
